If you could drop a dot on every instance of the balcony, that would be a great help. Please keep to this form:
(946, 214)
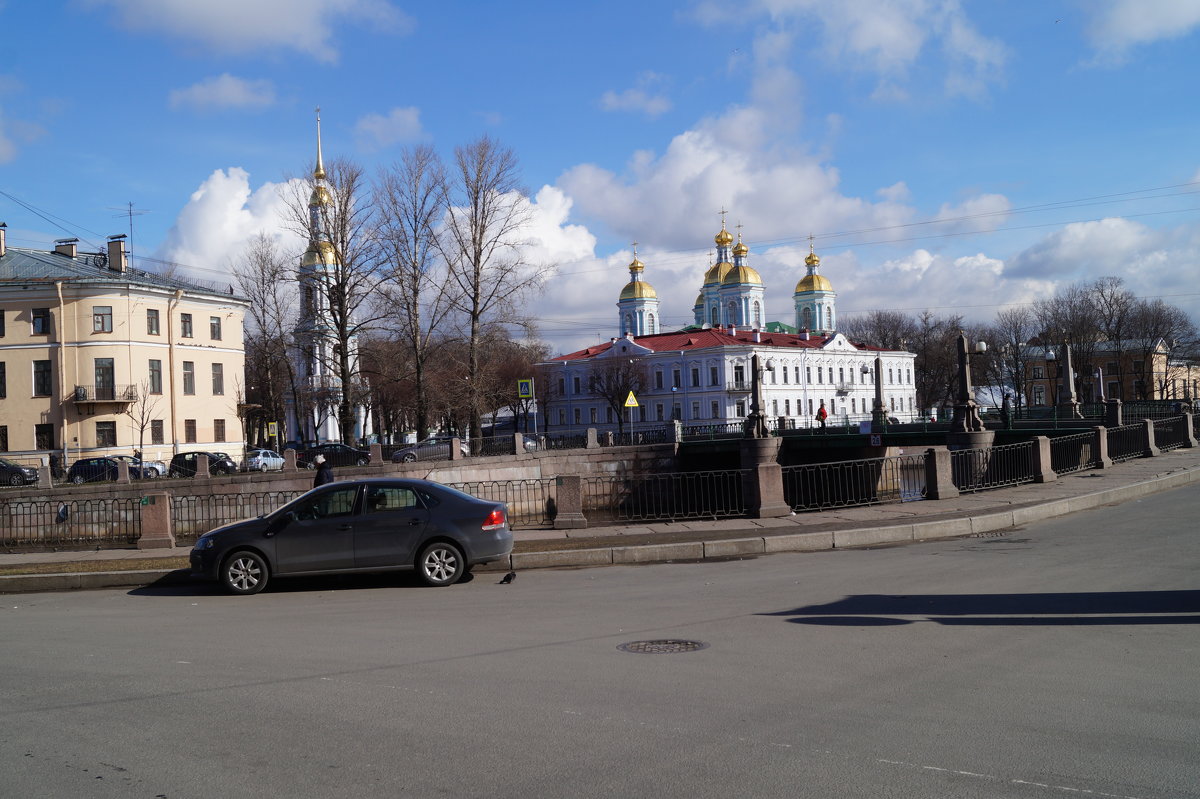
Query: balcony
(738, 385)
(118, 394)
(844, 388)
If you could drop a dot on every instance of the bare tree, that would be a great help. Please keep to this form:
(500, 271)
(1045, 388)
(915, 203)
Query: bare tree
(892, 330)
(142, 411)
(1008, 339)
(411, 198)
(1157, 329)
(613, 378)
(485, 221)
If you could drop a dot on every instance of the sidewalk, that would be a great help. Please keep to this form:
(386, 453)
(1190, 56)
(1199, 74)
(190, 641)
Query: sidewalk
(968, 514)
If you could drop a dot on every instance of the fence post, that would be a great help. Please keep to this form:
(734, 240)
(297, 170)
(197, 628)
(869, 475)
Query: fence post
(44, 477)
(593, 441)
(518, 443)
(456, 449)
(1189, 440)
(123, 472)
(202, 472)
(1043, 467)
(156, 522)
(569, 504)
(377, 454)
(289, 460)
(676, 431)
(1148, 439)
(1112, 413)
(762, 486)
(939, 480)
(1100, 448)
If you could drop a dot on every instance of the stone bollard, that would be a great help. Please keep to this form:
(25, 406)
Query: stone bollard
(289, 460)
(569, 503)
(45, 479)
(1190, 440)
(1148, 439)
(762, 484)
(1100, 449)
(123, 472)
(456, 449)
(376, 455)
(1042, 466)
(518, 443)
(202, 467)
(939, 479)
(156, 522)
(593, 441)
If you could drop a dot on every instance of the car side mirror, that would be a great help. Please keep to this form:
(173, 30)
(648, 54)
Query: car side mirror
(280, 522)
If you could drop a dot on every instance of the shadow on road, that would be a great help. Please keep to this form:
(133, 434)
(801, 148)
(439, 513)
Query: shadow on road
(1083, 608)
(180, 583)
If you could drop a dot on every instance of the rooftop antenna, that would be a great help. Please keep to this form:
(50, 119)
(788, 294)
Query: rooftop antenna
(130, 212)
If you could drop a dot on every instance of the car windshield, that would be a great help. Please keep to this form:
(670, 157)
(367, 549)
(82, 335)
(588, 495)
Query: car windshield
(7, 463)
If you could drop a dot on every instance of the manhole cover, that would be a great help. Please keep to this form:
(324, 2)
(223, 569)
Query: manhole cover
(662, 646)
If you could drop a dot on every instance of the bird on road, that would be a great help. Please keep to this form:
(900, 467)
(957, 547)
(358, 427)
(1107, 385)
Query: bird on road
(508, 578)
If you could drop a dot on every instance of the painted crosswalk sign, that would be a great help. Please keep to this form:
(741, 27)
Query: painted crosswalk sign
(631, 401)
(525, 388)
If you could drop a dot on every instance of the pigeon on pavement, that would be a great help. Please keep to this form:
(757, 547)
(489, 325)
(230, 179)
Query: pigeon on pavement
(508, 578)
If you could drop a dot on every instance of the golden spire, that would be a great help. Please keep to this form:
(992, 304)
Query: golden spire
(319, 172)
(724, 238)
(739, 248)
(636, 265)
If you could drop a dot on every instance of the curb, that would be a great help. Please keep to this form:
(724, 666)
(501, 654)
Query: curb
(751, 546)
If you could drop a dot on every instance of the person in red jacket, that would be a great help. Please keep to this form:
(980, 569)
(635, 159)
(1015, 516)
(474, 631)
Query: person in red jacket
(822, 414)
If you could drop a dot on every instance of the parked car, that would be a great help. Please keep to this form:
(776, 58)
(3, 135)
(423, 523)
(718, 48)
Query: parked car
(98, 470)
(184, 464)
(262, 460)
(377, 524)
(14, 474)
(150, 469)
(434, 448)
(335, 455)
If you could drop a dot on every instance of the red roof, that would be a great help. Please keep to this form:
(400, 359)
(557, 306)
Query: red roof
(707, 338)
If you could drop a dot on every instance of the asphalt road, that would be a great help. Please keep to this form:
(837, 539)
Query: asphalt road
(1059, 660)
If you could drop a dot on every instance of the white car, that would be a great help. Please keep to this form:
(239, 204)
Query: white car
(262, 460)
(150, 469)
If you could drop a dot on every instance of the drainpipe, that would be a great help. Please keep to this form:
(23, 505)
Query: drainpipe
(62, 370)
(172, 304)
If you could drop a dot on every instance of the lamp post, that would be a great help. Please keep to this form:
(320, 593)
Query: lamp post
(966, 411)
(756, 422)
(878, 414)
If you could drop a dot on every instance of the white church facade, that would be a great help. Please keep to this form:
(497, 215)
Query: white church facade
(701, 375)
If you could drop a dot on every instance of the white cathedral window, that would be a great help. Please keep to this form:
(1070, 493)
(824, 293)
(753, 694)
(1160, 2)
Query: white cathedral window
(757, 315)
(829, 318)
(807, 315)
(651, 328)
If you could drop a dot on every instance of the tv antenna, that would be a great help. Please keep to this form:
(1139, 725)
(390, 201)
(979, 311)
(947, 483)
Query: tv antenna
(129, 211)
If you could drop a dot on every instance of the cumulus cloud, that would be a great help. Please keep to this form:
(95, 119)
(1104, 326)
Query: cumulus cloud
(1114, 27)
(223, 91)
(1112, 246)
(398, 126)
(218, 220)
(237, 26)
(644, 97)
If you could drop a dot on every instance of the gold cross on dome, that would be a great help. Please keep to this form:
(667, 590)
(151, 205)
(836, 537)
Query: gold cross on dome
(635, 249)
(723, 212)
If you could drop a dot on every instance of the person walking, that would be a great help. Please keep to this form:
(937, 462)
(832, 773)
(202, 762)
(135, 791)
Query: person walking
(822, 415)
(324, 472)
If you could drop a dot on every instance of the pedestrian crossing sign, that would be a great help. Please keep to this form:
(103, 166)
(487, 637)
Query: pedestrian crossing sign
(525, 388)
(631, 401)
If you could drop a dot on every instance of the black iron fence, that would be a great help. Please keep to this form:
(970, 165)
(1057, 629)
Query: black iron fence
(1170, 433)
(992, 467)
(668, 496)
(549, 442)
(653, 435)
(710, 432)
(496, 445)
(192, 517)
(78, 523)
(1126, 442)
(1073, 453)
(871, 481)
(531, 503)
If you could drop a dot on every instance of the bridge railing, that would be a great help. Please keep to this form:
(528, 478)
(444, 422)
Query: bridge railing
(114, 521)
(1126, 442)
(992, 467)
(193, 516)
(1073, 453)
(531, 503)
(667, 496)
(870, 481)
(1170, 433)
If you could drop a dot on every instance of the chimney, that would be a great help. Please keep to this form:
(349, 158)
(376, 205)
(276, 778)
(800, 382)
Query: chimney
(757, 336)
(733, 330)
(116, 253)
(3, 245)
(803, 334)
(67, 247)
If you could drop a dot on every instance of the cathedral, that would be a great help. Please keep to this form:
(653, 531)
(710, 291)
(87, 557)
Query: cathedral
(700, 375)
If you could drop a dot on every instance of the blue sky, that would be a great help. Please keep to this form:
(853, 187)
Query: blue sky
(640, 121)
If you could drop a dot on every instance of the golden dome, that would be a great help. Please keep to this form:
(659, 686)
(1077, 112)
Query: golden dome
(742, 275)
(699, 301)
(812, 259)
(740, 249)
(716, 274)
(635, 265)
(724, 238)
(638, 290)
(814, 282)
(320, 196)
(319, 253)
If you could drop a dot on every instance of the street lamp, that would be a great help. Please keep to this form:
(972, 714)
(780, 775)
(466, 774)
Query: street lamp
(756, 422)
(878, 414)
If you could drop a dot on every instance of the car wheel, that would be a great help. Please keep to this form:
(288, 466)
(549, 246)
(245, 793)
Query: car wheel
(361, 462)
(15, 480)
(175, 474)
(77, 479)
(244, 573)
(440, 564)
(409, 457)
(150, 474)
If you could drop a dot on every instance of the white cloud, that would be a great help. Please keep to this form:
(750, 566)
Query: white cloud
(1116, 26)
(238, 26)
(1086, 250)
(398, 126)
(218, 220)
(645, 97)
(15, 132)
(223, 91)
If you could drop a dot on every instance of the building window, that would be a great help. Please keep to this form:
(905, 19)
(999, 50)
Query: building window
(218, 429)
(807, 374)
(820, 375)
(659, 412)
(214, 328)
(774, 407)
(676, 381)
(189, 377)
(787, 407)
(641, 413)
(676, 411)
(562, 416)
(785, 375)
(1039, 373)
(185, 325)
(562, 387)
(3, 381)
(152, 321)
(43, 436)
(104, 371)
(218, 379)
(739, 375)
(189, 431)
(658, 380)
(716, 410)
(155, 377)
(810, 407)
(156, 431)
(1111, 368)
(577, 415)
(101, 318)
(42, 384)
(712, 376)
(890, 380)
(695, 378)
(3, 438)
(592, 415)
(608, 414)
(695, 409)
(853, 405)
(41, 321)
(2, 325)
(741, 408)
(831, 375)
(575, 384)
(106, 434)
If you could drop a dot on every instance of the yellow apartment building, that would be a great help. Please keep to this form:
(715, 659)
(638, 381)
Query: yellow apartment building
(97, 358)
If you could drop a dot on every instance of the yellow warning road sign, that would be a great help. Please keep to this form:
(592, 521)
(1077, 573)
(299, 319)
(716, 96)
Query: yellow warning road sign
(631, 401)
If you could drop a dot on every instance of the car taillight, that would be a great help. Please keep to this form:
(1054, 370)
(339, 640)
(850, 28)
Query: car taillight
(495, 520)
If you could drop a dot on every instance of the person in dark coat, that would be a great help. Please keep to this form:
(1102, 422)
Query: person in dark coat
(324, 472)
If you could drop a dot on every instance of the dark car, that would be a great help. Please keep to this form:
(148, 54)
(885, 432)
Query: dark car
(150, 469)
(431, 449)
(98, 470)
(335, 455)
(358, 526)
(184, 464)
(14, 474)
